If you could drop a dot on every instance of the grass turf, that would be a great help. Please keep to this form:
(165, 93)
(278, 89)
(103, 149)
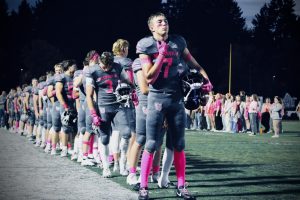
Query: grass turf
(236, 166)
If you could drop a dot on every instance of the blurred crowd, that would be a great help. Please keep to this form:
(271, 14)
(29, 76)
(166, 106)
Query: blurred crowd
(239, 114)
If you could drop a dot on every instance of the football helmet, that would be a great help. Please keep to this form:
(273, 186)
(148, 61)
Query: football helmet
(68, 118)
(194, 96)
(123, 93)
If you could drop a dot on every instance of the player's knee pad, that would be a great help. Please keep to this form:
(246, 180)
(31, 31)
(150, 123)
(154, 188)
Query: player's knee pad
(151, 146)
(82, 130)
(126, 132)
(49, 125)
(41, 122)
(67, 129)
(56, 128)
(104, 139)
(141, 139)
(180, 144)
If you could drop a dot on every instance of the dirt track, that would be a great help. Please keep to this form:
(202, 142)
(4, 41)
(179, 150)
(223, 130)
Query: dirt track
(28, 173)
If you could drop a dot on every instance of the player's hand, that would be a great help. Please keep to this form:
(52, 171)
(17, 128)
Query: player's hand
(207, 87)
(162, 47)
(96, 119)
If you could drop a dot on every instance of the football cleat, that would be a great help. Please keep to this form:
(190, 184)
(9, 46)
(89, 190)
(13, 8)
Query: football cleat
(155, 177)
(184, 193)
(143, 194)
(106, 173)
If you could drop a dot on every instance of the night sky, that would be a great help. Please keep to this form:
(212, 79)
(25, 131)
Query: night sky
(249, 7)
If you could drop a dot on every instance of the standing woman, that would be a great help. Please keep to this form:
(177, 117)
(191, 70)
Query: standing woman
(218, 108)
(253, 110)
(265, 115)
(276, 115)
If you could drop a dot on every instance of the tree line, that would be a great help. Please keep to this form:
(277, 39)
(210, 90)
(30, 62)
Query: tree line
(264, 57)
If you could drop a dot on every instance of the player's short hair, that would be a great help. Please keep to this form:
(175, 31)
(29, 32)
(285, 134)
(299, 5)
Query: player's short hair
(107, 58)
(49, 73)
(66, 64)
(24, 86)
(119, 46)
(42, 78)
(155, 15)
(85, 63)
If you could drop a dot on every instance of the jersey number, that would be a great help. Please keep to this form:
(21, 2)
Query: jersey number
(110, 86)
(167, 61)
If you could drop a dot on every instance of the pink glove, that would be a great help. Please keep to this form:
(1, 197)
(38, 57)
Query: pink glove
(162, 47)
(207, 87)
(135, 98)
(96, 118)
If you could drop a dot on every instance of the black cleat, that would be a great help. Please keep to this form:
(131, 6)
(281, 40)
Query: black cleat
(143, 194)
(136, 187)
(182, 192)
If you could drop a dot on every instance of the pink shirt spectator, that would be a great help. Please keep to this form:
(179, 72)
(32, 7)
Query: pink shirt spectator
(253, 107)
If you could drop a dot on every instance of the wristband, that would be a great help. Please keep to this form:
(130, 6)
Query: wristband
(93, 112)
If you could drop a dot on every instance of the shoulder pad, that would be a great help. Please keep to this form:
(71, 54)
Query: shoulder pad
(146, 46)
(77, 73)
(59, 77)
(125, 62)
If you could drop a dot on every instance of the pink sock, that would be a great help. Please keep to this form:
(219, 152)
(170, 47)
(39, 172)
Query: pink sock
(69, 146)
(146, 164)
(132, 170)
(179, 162)
(91, 141)
(53, 146)
(17, 124)
(155, 169)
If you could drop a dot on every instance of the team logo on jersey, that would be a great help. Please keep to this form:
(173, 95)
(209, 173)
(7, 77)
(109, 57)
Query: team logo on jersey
(145, 110)
(102, 110)
(158, 106)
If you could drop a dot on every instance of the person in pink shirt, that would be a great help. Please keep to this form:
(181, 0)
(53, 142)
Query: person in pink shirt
(253, 110)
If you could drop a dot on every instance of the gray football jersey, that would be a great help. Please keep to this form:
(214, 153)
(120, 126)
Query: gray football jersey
(105, 82)
(67, 82)
(168, 80)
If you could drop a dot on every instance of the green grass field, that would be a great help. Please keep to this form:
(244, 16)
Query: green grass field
(236, 166)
